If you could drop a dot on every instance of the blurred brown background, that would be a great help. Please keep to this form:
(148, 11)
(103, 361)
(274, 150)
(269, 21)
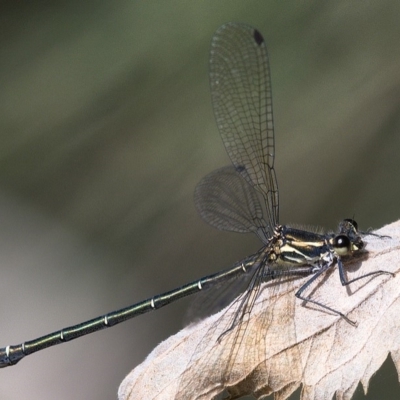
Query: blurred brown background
(106, 126)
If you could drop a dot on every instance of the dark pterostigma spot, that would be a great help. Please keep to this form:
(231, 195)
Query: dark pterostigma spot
(258, 37)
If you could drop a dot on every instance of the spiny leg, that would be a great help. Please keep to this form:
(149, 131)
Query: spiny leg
(346, 282)
(298, 294)
(343, 281)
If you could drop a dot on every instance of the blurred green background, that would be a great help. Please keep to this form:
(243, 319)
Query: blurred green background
(106, 126)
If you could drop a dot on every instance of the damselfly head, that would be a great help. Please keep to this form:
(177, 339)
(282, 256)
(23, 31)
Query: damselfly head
(348, 240)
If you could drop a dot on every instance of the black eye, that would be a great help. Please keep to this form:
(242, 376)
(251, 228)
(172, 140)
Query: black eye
(341, 244)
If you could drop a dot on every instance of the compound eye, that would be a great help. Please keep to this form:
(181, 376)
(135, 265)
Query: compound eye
(342, 245)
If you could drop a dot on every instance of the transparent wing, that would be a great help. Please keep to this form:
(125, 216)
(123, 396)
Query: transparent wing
(228, 199)
(242, 101)
(234, 357)
(213, 300)
(228, 202)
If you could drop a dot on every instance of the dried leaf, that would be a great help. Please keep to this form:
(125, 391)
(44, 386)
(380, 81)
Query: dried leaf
(284, 344)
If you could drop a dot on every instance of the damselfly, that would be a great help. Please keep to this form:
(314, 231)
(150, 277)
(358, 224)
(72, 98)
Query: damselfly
(240, 198)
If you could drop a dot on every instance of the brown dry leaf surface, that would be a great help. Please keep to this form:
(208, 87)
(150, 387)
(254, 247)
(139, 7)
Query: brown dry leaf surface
(284, 344)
